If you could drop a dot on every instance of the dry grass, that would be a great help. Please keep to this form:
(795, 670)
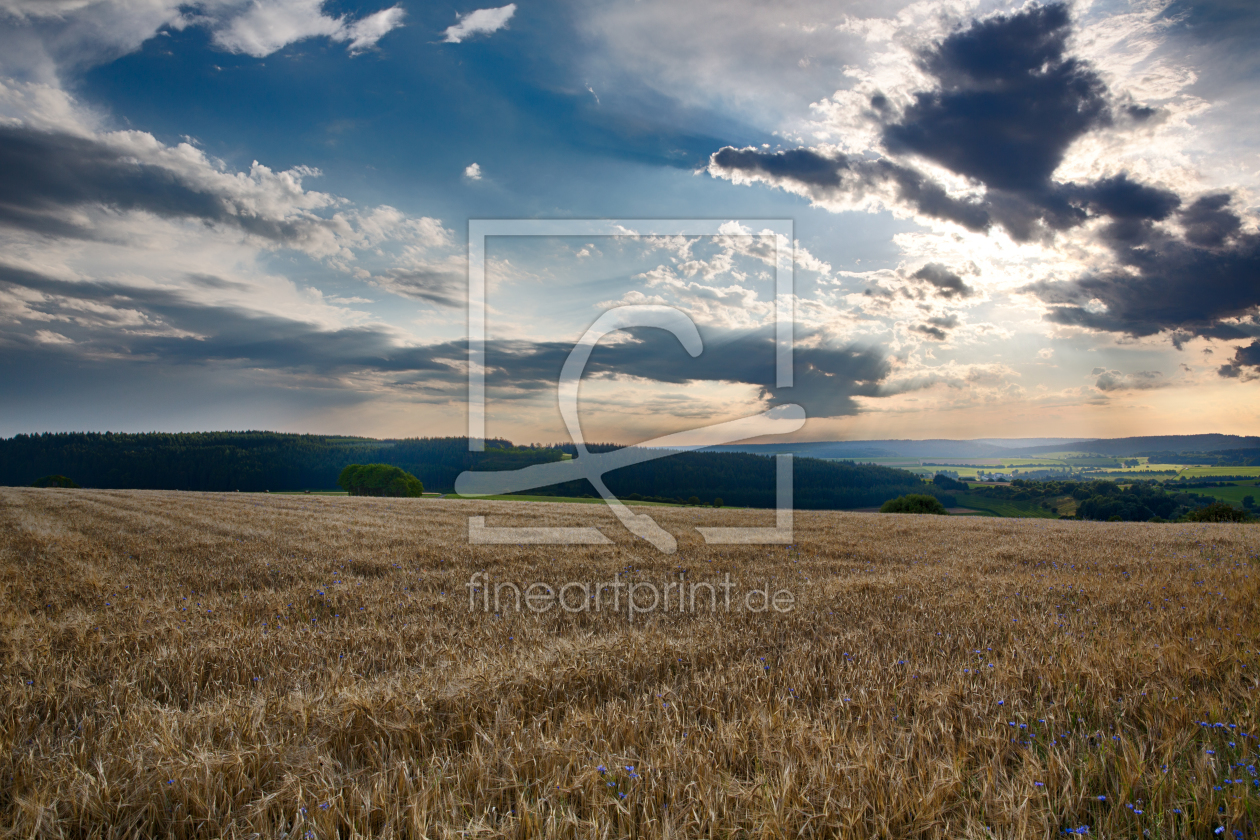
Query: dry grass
(325, 677)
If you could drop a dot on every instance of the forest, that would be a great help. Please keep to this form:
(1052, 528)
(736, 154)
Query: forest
(257, 461)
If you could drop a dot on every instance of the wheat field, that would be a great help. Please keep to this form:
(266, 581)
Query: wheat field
(252, 665)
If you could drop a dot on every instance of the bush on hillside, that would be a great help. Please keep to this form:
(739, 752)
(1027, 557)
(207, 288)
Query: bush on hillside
(54, 481)
(379, 480)
(1218, 512)
(914, 503)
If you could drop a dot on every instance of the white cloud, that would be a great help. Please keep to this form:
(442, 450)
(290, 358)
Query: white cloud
(480, 22)
(269, 26)
(50, 337)
(365, 33)
(473, 172)
(51, 37)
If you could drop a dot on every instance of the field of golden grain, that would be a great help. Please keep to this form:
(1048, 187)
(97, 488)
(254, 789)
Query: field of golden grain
(243, 665)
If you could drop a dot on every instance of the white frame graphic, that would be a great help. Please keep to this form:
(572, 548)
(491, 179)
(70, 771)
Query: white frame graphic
(780, 420)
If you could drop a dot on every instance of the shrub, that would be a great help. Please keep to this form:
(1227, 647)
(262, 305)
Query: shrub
(54, 481)
(694, 500)
(1218, 512)
(717, 502)
(914, 503)
(379, 480)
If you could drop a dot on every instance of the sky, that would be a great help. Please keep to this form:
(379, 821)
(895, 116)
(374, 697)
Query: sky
(1008, 219)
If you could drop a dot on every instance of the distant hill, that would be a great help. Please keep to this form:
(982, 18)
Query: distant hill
(1161, 443)
(998, 447)
(860, 449)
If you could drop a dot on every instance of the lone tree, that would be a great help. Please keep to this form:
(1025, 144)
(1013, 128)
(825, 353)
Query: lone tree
(379, 480)
(54, 481)
(914, 503)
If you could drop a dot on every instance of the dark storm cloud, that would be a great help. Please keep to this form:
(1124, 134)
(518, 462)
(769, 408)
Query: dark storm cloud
(937, 328)
(1209, 222)
(1193, 287)
(934, 333)
(1121, 198)
(947, 283)
(44, 174)
(827, 379)
(1009, 102)
(1007, 105)
(836, 174)
(1244, 358)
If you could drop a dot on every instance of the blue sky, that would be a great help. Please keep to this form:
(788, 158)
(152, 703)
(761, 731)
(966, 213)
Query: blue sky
(1010, 219)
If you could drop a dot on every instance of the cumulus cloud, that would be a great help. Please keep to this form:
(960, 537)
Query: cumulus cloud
(1142, 380)
(473, 172)
(947, 283)
(480, 22)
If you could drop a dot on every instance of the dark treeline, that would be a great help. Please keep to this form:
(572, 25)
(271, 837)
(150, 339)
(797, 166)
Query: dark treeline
(255, 461)
(248, 461)
(1219, 458)
(745, 480)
